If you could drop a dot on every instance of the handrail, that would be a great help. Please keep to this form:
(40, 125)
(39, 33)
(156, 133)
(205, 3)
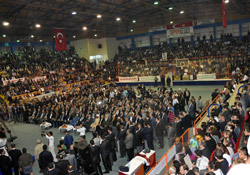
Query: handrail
(198, 119)
(244, 85)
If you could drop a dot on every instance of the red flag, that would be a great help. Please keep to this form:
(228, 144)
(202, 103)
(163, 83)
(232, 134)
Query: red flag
(60, 39)
(224, 14)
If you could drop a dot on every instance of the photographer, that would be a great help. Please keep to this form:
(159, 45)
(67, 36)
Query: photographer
(51, 146)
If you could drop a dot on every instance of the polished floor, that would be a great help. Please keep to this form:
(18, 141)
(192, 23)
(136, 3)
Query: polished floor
(28, 133)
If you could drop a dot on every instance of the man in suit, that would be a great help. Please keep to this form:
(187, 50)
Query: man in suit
(187, 95)
(139, 138)
(148, 135)
(159, 131)
(5, 164)
(95, 150)
(184, 170)
(122, 136)
(15, 154)
(191, 109)
(25, 162)
(68, 139)
(179, 127)
(105, 150)
(129, 145)
(45, 158)
(111, 138)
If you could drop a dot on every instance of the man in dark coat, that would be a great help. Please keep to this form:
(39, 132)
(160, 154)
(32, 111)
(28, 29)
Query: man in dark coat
(122, 136)
(139, 138)
(45, 158)
(5, 164)
(111, 138)
(15, 154)
(105, 149)
(159, 131)
(95, 150)
(187, 95)
(148, 135)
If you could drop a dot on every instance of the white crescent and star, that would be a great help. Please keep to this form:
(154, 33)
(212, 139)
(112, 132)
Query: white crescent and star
(59, 34)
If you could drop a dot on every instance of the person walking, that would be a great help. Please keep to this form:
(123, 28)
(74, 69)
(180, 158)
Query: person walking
(15, 154)
(25, 162)
(129, 145)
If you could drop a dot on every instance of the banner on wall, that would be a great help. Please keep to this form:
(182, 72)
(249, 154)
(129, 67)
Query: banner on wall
(128, 79)
(156, 29)
(15, 80)
(205, 21)
(148, 79)
(180, 30)
(206, 76)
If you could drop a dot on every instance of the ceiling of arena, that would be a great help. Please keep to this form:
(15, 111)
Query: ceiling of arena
(24, 14)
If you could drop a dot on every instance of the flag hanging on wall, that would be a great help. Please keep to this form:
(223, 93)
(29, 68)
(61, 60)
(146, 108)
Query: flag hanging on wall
(60, 39)
(224, 14)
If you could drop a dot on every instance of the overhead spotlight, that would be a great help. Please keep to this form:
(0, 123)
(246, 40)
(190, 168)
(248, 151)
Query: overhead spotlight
(131, 30)
(54, 36)
(171, 22)
(156, 3)
(134, 21)
(4, 35)
(118, 19)
(181, 12)
(74, 13)
(170, 8)
(5, 23)
(74, 36)
(95, 35)
(41, 40)
(32, 36)
(38, 25)
(99, 16)
(84, 28)
(226, 1)
(18, 40)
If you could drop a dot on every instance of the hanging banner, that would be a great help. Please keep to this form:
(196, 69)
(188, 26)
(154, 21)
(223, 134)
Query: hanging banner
(128, 79)
(180, 30)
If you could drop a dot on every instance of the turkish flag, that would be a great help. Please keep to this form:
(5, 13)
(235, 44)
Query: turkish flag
(224, 14)
(60, 39)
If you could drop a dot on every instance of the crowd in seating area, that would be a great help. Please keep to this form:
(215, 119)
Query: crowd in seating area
(206, 56)
(221, 143)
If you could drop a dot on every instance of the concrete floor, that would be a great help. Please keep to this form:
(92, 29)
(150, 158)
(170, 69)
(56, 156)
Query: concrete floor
(28, 133)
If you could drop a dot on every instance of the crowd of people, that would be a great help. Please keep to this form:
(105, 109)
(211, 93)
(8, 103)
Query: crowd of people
(121, 118)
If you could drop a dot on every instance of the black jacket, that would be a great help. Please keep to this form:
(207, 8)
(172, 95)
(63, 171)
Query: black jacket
(15, 154)
(45, 158)
(62, 165)
(139, 137)
(96, 154)
(159, 129)
(5, 165)
(105, 148)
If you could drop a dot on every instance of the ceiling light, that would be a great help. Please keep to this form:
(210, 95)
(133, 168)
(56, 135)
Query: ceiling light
(226, 1)
(134, 21)
(84, 28)
(156, 3)
(74, 13)
(4, 35)
(99, 16)
(181, 12)
(54, 36)
(5, 23)
(171, 22)
(131, 30)
(32, 36)
(38, 25)
(170, 8)
(118, 19)
(18, 40)
(41, 40)
(74, 36)
(95, 35)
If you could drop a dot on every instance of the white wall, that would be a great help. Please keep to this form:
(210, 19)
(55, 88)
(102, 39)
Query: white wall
(245, 28)
(124, 42)
(89, 47)
(158, 39)
(201, 32)
(143, 41)
(234, 29)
